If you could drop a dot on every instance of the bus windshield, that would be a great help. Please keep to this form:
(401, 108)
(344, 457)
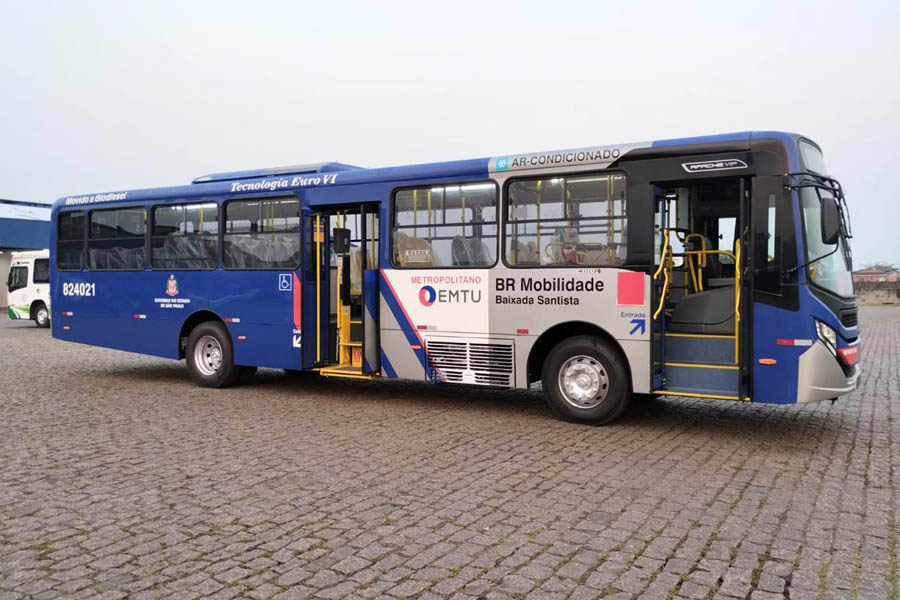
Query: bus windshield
(830, 265)
(18, 278)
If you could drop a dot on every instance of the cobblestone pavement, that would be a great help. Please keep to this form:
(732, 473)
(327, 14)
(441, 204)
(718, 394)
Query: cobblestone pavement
(118, 477)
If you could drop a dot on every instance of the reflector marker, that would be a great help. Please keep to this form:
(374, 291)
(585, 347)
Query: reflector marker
(792, 342)
(767, 361)
(849, 356)
(521, 331)
(67, 313)
(66, 327)
(140, 316)
(242, 337)
(232, 320)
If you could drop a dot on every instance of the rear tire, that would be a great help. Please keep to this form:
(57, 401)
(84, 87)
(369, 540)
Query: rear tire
(210, 356)
(586, 380)
(41, 316)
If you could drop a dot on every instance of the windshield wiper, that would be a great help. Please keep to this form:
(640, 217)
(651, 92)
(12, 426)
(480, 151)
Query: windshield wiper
(793, 270)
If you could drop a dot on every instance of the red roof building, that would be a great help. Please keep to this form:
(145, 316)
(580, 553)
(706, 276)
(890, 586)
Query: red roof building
(876, 274)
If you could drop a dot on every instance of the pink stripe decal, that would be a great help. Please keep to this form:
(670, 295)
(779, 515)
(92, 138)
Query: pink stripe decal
(298, 305)
(410, 323)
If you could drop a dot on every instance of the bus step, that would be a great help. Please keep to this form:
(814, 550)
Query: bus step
(684, 393)
(707, 349)
(347, 371)
(708, 379)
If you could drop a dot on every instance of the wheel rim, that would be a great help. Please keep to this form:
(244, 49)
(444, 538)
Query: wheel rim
(42, 316)
(583, 382)
(208, 355)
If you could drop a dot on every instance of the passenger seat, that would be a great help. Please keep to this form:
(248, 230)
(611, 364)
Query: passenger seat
(711, 311)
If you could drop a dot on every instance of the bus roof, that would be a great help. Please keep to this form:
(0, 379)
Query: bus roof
(31, 254)
(335, 173)
(327, 167)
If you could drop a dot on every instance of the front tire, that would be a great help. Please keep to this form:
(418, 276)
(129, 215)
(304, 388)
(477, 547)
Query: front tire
(210, 356)
(42, 316)
(586, 380)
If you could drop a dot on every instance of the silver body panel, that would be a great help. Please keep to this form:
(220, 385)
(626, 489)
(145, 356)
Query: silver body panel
(820, 377)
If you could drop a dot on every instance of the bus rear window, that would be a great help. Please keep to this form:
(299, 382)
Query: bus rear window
(70, 241)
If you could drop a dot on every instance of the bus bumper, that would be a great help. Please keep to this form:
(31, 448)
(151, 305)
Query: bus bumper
(821, 377)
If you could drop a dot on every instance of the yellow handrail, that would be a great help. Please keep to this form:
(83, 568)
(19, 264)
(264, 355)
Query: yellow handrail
(696, 277)
(662, 297)
(318, 237)
(665, 250)
(688, 238)
(663, 262)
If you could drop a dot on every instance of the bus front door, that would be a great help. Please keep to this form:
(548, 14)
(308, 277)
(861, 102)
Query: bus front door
(700, 289)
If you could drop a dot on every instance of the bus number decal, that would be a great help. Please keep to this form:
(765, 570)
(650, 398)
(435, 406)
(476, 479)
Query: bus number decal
(79, 289)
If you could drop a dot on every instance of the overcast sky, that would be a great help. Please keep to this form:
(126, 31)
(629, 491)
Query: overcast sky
(100, 96)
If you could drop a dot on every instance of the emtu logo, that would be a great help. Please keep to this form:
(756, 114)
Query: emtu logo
(427, 295)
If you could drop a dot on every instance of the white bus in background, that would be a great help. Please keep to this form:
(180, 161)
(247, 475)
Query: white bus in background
(28, 287)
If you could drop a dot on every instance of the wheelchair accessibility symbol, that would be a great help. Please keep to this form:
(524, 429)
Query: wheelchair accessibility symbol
(285, 282)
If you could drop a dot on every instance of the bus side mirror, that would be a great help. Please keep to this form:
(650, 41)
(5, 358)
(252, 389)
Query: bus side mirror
(831, 221)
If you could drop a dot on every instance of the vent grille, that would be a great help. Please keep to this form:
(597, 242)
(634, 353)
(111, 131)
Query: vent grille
(472, 362)
(850, 317)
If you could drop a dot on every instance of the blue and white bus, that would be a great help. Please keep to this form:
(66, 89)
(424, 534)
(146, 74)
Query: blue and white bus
(712, 267)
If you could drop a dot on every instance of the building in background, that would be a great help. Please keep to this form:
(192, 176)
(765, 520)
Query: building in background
(877, 284)
(877, 274)
(23, 226)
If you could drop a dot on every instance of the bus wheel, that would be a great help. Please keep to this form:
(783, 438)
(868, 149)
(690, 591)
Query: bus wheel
(210, 357)
(585, 380)
(42, 316)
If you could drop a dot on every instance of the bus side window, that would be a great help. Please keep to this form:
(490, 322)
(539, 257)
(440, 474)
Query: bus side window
(185, 236)
(452, 225)
(566, 221)
(116, 239)
(262, 233)
(773, 240)
(41, 270)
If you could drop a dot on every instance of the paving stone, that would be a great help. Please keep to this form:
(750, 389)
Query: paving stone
(121, 478)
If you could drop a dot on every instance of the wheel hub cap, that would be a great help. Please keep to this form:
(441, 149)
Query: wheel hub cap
(583, 382)
(208, 355)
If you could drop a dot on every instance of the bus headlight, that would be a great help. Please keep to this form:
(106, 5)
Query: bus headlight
(827, 335)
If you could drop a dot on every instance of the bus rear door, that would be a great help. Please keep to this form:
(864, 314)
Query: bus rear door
(340, 300)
